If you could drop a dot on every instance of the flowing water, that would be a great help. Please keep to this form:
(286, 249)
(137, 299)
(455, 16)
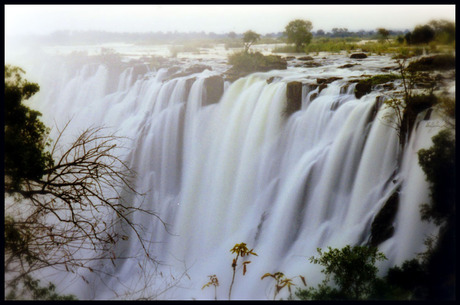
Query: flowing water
(241, 170)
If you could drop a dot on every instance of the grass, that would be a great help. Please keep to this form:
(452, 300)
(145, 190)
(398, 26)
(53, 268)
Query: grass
(354, 44)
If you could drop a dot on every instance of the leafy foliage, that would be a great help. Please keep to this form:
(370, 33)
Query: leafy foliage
(282, 281)
(213, 281)
(252, 62)
(249, 38)
(26, 137)
(444, 30)
(436, 62)
(410, 104)
(410, 277)
(383, 34)
(438, 163)
(67, 198)
(31, 289)
(351, 270)
(299, 32)
(422, 34)
(240, 250)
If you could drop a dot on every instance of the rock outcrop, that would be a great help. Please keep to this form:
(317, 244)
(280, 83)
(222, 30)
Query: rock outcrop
(213, 89)
(294, 97)
(382, 226)
(358, 55)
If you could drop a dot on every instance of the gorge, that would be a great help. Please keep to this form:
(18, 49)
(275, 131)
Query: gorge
(286, 161)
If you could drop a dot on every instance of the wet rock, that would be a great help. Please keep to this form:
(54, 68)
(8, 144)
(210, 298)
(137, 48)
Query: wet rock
(389, 86)
(362, 88)
(321, 87)
(313, 96)
(197, 69)
(387, 69)
(188, 85)
(358, 55)
(344, 89)
(289, 57)
(347, 66)
(382, 226)
(172, 70)
(305, 58)
(214, 88)
(232, 75)
(311, 64)
(294, 97)
(189, 71)
(270, 80)
(327, 80)
(139, 71)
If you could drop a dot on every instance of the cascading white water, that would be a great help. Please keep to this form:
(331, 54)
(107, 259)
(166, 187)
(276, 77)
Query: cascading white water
(242, 171)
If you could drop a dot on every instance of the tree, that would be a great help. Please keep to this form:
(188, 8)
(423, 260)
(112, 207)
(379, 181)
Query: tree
(25, 155)
(422, 34)
(352, 270)
(340, 32)
(438, 163)
(231, 35)
(444, 30)
(383, 33)
(249, 38)
(73, 200)
(299, 32)
(320, 33)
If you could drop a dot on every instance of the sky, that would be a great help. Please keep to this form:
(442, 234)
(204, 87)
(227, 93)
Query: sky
(45, 19)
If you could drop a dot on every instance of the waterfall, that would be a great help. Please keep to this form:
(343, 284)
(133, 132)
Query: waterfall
(241, 170)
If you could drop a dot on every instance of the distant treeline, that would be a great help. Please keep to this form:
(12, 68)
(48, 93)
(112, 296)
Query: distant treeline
(343, 32)
(95, 37)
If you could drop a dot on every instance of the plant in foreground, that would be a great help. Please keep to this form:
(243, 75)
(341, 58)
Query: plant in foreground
(214, 281)
(282, 281)
(239, 250)
(350, 273)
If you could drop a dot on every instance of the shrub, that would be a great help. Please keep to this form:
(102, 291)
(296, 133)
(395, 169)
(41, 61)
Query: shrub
(30, 289)
(438, 164)
(437, 62)
(352, 271)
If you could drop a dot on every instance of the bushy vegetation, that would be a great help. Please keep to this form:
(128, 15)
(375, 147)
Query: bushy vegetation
(424, 38)
(25, 155)
(440, 31)
(438, 163)
(29, 289)
(350, 274)
(299, 33)
(333, 45)
(430, 63)
(59, 199)
(249, 38)
(418, 93)
(255, 62)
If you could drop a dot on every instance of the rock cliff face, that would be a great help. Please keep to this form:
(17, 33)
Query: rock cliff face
(214, 88)
(382, 227)
(294, 97)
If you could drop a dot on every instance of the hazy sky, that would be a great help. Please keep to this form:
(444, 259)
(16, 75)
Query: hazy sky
(44, 19)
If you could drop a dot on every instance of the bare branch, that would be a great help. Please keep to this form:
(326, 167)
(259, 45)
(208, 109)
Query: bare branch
(77, 205)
